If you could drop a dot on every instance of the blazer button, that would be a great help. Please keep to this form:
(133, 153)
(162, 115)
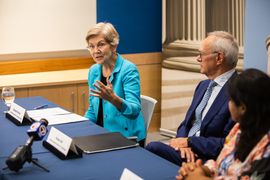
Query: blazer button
(105, 116)
(126, 129)
(104, 102)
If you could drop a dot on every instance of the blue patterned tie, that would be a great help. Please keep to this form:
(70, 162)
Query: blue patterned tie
(198, 112)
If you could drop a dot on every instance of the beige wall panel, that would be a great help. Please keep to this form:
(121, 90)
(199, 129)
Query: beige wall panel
(177, 93)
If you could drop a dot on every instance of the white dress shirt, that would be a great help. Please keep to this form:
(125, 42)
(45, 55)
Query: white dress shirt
(220, 80)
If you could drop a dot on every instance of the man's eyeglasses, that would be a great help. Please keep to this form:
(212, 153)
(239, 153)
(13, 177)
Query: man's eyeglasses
(202, 53)
(100, 46)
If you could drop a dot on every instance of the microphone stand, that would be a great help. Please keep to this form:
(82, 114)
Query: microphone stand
(24, 153)
(29, 158)
(34, 160)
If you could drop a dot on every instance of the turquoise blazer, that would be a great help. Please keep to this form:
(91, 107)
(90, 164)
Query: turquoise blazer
(125, 79)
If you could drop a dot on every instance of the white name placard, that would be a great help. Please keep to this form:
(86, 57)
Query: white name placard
(61, 141)
(18, 112)
(128, 175)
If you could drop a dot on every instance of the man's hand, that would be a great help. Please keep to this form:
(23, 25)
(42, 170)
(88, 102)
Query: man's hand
(178, 143)
(188, 154)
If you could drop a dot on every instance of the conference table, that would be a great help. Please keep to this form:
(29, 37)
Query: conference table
(102, 165)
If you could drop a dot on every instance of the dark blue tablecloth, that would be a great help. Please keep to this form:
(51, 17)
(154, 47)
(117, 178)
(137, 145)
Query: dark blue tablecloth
(11, 136)
(105, 165)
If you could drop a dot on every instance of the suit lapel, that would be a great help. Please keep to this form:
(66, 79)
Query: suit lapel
(196, 100)
(221, 98)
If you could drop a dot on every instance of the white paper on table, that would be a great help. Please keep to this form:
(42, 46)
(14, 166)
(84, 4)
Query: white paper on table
(47, 112)
(64, 118)
(55, 116)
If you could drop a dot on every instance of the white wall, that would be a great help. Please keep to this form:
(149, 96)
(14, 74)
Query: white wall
(34, 26)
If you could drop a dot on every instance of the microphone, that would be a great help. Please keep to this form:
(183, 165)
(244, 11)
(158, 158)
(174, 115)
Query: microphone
(36, 131)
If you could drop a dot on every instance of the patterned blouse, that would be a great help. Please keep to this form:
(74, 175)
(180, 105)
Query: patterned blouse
(256, 166)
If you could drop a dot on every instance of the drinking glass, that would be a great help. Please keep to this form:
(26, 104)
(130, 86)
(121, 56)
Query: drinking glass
(8, 96)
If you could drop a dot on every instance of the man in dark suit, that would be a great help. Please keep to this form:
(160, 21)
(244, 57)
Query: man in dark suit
(208, 120)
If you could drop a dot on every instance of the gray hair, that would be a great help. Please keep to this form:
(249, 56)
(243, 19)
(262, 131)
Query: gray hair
(226, 43)
(107, 30)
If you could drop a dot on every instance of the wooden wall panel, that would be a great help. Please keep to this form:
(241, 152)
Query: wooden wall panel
(144, 58)
(83, 98)
(45, 65)
(155, 122)
(61, 95)
(22, 92)
(150, 76)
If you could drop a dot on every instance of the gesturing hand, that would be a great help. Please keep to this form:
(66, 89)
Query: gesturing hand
(104, 92)
(107, 93)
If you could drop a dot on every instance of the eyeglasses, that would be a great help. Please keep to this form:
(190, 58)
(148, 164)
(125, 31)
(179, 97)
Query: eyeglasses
(100, 46)
(202, 53)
